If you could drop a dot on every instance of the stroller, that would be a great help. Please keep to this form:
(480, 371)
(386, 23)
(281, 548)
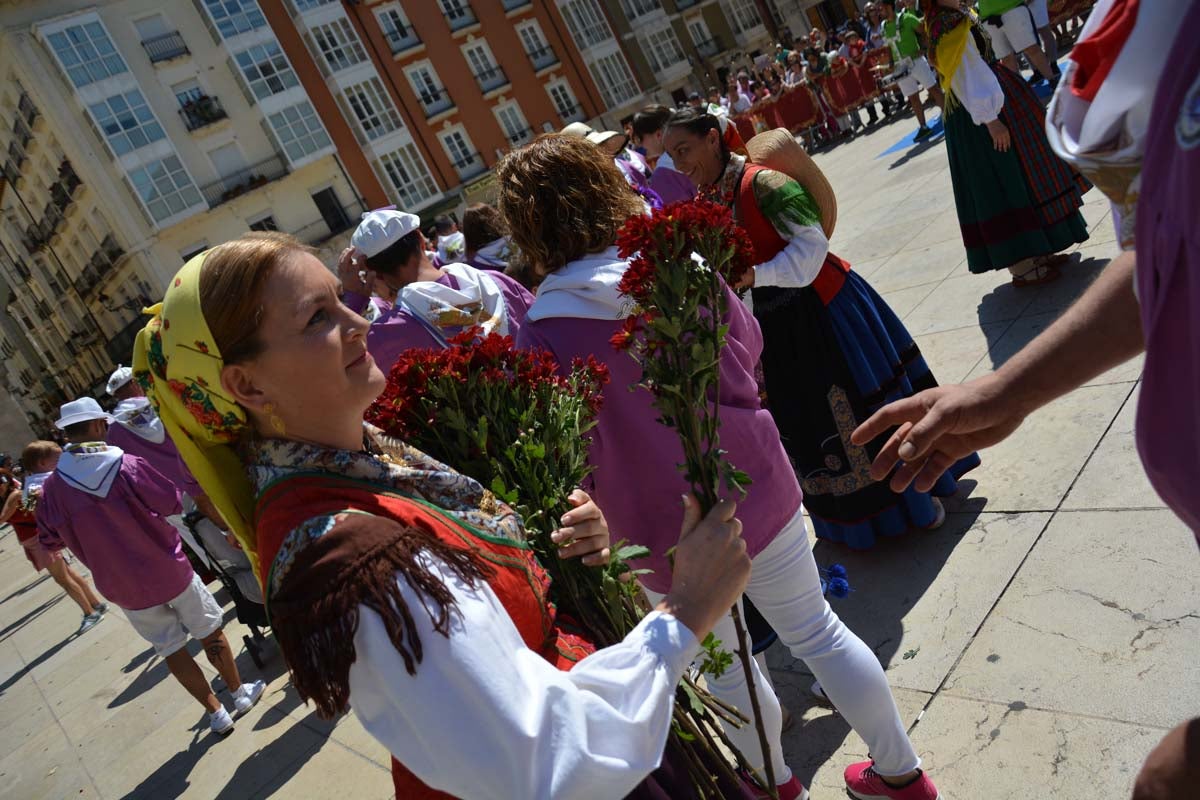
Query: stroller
(232, 569)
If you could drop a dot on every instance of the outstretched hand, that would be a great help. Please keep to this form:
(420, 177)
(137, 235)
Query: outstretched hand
(937, 427)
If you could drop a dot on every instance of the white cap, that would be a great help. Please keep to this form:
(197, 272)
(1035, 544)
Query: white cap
(600, 137)
(84, 409)
(579, 130)
(381, 229)
(121, 376)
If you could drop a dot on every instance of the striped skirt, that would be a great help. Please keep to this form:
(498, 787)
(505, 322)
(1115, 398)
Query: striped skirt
(1016, 204)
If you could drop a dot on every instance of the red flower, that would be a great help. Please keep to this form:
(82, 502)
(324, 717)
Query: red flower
(624, 338)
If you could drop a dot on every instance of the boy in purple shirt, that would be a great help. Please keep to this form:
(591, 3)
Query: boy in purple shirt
(138, 431)
(110, 508)
(432, 303)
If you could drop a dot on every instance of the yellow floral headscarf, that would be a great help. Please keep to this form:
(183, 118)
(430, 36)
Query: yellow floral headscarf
(177, 363)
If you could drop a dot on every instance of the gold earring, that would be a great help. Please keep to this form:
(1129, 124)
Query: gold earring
(275, 420)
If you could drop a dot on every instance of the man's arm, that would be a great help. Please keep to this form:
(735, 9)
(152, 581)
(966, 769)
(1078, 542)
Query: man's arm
(939, 426)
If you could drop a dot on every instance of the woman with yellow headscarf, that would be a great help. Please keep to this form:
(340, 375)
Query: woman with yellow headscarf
(1018, 204)
(394, 584)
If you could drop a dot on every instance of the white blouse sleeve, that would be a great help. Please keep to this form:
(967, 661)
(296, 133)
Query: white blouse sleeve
(976, 87)
(486, 717)
(799, 262)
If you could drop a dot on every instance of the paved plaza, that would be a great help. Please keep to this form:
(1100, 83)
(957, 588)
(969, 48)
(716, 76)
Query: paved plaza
(1039, 645)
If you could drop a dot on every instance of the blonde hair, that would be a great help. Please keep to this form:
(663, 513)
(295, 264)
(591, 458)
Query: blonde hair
(231, 286)
(36, 452)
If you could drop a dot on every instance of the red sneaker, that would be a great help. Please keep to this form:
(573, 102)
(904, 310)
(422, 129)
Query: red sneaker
(863, 782)
(792, 790)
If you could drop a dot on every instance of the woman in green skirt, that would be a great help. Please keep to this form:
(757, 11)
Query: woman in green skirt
(1018, 203)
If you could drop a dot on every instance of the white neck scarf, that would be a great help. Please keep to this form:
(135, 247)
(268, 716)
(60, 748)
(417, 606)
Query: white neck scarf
(1105, 139)
(138, 416)
(478, 301)
(452, 247)
(91, 467)
(494, 254)
(585, 288)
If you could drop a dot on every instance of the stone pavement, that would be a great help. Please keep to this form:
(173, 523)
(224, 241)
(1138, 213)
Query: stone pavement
(1040, 644)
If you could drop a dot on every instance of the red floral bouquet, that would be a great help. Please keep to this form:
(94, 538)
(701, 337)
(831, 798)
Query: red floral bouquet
(510, 419)
(682, 258)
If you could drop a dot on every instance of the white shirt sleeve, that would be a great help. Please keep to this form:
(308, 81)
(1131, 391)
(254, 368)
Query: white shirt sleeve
(976, 87)
(799, 262)
(486, 717)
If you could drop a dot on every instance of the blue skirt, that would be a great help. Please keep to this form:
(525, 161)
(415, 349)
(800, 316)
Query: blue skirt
(827, 368)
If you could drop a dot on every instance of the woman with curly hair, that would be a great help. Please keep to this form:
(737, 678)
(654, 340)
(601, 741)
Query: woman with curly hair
(564, 204)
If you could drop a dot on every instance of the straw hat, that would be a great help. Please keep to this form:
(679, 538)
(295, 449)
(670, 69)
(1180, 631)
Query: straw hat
(778, 150)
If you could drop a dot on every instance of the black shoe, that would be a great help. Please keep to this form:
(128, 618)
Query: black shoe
(924, 133)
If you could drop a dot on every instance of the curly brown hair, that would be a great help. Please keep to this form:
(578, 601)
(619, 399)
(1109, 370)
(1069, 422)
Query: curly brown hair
(563, 197)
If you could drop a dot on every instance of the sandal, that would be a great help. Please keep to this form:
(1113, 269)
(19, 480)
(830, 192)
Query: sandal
(1053, 260)
(1036, 275)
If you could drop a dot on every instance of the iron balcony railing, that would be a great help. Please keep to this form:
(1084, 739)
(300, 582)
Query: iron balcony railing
(470, 166)
(400, 42)
(318, 232)
(27, 109)
(521, 136)
(435, 101)
(458, 14)
(709, 47)
(200, 111)
(492, 78)
(543, 57)
(111, 248)
(571, 114)
(165, 47)
(244, 180)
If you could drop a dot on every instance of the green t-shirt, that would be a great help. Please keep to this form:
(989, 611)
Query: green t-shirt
(901, 34)
(994, 8)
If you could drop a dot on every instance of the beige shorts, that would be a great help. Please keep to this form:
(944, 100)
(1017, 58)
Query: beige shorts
(1014, 33)
(920, 76)
(167, 626)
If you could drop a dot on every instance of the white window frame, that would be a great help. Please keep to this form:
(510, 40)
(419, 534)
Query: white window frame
(475, 47)
(420, 86)
(742, 15)
(372, 109)
(270, 53)
(146, 123)
(659, 44)
(636, 9)
(88, 47)
(420, 188)
(697, 26)
(586, 22)
(561, 86)
(305, 127)
(534, 32)
(453, 9)
(389, 17)
(617, 90)
(249, 17)
(465, 162)
(509, 115)
(338, 45)
(180, 182)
